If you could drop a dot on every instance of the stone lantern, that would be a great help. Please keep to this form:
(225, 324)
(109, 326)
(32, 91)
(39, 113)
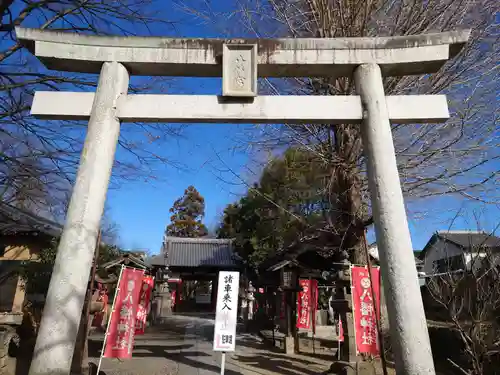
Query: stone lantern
(250, 300)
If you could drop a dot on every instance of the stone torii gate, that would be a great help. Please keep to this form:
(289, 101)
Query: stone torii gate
(239, 62)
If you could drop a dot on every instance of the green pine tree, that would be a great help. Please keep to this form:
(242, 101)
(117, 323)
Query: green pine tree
(287, 203)
(187, 214)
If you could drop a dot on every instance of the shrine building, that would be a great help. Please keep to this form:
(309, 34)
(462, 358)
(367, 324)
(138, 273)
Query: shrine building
(191, 266)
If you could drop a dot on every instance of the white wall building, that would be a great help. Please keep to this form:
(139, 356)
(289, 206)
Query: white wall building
(458, 250)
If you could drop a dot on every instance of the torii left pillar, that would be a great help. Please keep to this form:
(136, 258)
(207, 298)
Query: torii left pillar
(66, 295)
(367, 58)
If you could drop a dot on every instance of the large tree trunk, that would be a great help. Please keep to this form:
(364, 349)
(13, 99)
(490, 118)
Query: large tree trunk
(348, 188)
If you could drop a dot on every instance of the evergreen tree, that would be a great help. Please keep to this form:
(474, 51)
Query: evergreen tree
(287, 203)
(187, 214)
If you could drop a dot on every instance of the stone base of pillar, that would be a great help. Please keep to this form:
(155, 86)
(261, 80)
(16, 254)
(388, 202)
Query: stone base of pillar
(289, 345)
(165, 304)
(162, 307)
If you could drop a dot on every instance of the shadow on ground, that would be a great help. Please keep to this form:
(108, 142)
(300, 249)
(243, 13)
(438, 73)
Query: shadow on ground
(187, 358)
(279, 364)
(193, 314)
(163, 342)
(158, 351)
(269, 361)
(321, 356)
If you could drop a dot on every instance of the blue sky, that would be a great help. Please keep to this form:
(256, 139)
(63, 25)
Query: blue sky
(141, 209)
(208, 150)
(214, 166)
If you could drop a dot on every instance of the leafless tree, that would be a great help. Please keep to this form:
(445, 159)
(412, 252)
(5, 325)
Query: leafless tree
(39, 159)
(459, 157)
(470, 299)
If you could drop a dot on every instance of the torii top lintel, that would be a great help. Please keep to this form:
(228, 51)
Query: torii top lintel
(301, 57)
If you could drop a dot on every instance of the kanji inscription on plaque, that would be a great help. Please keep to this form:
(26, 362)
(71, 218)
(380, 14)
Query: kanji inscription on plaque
(239, 70)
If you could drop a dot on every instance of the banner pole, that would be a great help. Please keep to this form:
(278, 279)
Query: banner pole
(117, 290)
(312, 311)
(223, 363)
(378, 314)
(339, 326)
(338, 351)
(353, 318)
(150, 307)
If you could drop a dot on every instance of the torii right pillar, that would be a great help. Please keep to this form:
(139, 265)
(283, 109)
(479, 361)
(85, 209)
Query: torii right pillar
(407, 320)
(117, 57)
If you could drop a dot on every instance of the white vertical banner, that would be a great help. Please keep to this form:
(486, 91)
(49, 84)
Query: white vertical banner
(226, 312)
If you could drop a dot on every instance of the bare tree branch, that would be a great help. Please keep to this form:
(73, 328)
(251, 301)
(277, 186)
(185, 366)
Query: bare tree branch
(39, 159)
(459, 157)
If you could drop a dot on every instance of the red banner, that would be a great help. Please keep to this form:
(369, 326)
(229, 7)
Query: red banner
(120, 335)
(341, 330)
(144, 302)
(173, 297)
(364, 306)
(307, 302)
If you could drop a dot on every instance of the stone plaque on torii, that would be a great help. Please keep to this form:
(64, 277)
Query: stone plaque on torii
(239, 62)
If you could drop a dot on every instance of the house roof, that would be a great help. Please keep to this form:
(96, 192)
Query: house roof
(126, 259)
(196, 252)
(471, 239)
(301, 257)
(14, 220)
(281, 264)
(464, 240)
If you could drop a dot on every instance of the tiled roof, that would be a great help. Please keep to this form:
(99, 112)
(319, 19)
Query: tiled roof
(471, 239)
(196, 252)
(15, 220)
(464, 239)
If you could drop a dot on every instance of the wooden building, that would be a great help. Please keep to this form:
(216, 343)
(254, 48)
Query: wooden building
(22, 236)
(185, 260)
